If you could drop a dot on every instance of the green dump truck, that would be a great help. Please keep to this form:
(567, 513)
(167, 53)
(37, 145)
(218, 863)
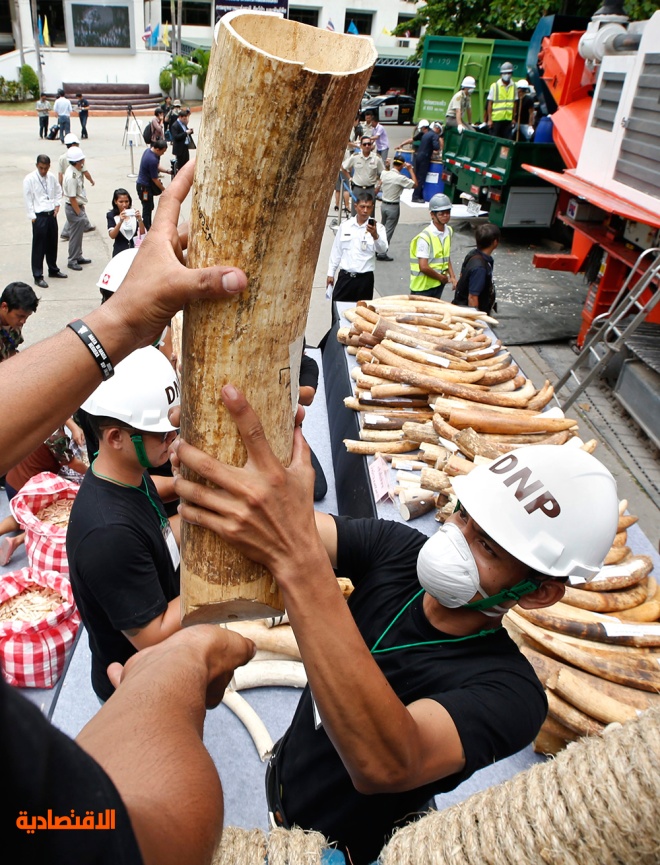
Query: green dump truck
(490, 170)
(448, 59)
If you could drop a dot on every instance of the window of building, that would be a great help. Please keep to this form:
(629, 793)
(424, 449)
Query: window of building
(363, 21)
(51, 13)
(194, 13)
(305, 16)
(412, 32)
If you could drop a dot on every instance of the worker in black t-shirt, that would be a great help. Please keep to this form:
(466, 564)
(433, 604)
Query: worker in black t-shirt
(119, 534)
(308, 382)
(475, 285)
(414, 684)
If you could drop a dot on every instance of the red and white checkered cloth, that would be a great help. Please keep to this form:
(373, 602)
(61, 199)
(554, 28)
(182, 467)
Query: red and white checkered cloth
(33, 655)
(45, 543)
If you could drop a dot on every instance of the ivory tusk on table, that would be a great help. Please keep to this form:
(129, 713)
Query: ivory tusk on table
(251, 721)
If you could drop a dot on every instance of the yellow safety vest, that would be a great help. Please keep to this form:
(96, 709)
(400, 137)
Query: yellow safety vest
(502, 105)
(440, 249)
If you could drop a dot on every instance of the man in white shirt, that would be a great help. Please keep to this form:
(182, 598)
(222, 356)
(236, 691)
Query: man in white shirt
(43, 197)
(63, 109)
(430, 264)
(357, 242)
(378, 135)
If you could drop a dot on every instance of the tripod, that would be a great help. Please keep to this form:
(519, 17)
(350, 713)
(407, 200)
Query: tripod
(132, 134)
(131, 127)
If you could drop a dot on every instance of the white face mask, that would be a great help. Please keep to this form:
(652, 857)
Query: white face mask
(446, 569)
(129, 227)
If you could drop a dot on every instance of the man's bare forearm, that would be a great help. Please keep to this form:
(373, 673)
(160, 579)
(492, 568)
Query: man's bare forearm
(134, 316)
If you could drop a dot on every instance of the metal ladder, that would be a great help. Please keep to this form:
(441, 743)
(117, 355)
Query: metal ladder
(610, 329)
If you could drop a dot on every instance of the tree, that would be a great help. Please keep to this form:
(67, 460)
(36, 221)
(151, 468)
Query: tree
(183, 71)
(30, 81)
(507, 18)
(201, 57)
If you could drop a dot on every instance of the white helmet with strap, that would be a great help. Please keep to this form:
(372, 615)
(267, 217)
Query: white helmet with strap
(140, 394)
(468, 82)
(555, 508)
(116, 269)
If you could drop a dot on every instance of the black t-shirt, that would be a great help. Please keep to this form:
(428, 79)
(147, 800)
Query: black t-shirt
(309, 372)
(120, 567)
(477, 279)
(43, 770)
(522, 108)
(487, 686)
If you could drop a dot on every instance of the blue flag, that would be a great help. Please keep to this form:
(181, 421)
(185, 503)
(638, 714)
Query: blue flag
(352, 29)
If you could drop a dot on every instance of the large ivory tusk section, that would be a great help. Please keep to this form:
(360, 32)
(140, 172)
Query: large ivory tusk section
(279, 102)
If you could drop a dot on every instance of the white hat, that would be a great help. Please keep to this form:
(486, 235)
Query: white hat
(71, 138)
(422, 124)
(75, 154)
(116, 269)
(523, 84)
(140, 393)
(468, 82)
(553, 508)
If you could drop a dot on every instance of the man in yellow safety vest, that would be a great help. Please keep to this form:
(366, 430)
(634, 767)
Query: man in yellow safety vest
(430, 267)
(500, 102)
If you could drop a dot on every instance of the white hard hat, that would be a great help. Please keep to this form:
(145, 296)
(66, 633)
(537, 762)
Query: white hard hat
(71, 138)
(422, 124)
(439, 201)
(523, 84)
(140, 393)
(506, 67)
(75, 154)
(116, 269)
(468, 81)
(554, 508)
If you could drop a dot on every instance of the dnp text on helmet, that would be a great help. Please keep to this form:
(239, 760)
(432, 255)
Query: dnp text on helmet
(527, 486)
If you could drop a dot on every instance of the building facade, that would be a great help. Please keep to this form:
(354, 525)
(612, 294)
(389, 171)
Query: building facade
(108, 41)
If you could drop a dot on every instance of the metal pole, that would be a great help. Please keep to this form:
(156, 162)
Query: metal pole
(130, 145)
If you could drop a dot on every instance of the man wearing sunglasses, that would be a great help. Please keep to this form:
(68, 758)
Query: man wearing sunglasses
(123, 555)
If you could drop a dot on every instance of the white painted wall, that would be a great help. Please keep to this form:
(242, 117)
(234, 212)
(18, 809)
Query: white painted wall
(142, 67)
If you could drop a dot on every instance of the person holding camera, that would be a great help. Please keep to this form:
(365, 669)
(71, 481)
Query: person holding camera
(357, 242)
(148, 183)
(124, 222)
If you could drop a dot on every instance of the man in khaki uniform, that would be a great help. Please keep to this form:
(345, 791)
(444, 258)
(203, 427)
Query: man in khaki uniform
(71, 140)
(75, 197)
(392, 184)
(367, 168)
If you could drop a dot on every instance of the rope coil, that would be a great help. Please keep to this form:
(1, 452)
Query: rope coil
(594, 804)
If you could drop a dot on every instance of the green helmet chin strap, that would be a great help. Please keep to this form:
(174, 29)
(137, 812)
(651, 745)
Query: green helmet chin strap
(524, 587)
(138, 443)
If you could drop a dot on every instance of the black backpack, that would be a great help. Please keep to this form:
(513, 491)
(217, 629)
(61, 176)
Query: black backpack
(147, 133)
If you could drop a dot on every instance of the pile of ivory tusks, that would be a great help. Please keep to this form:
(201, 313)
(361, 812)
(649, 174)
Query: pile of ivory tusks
(597, 652)
(438, 396)
(277, 663)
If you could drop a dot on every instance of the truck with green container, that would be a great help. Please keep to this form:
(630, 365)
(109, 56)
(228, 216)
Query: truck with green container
(475, 164)
(489, 169)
